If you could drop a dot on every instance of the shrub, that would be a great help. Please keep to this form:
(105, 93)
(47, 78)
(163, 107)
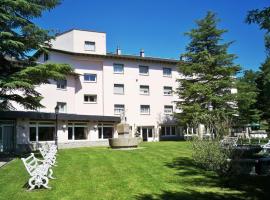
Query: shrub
(209, 155)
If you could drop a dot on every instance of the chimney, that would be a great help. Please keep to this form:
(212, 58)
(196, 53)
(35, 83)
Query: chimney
(142, 53)
(118, 51)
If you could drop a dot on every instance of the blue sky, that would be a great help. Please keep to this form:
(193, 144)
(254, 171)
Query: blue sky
(159, 26)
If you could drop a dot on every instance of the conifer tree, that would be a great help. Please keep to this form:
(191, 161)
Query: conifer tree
(262, 18)
(18, 37)
(247, 95)
(208, 75)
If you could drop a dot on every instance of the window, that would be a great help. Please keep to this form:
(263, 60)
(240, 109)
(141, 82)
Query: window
(62, 107)
(168, 110)
(89, 46)
(144, 89)
(77, 131)
(45, 57)
(144, 70)
(168, 130)
(70, 133)
(118, 68)
(145, 109)
(105, 131)
(61, 84)
(33, 134)
(167, 91)
(167, 72)
(41, 131)
(88, 98)
(45, 133)
(119, 109)
(80, 133)
(90, 77)
(118, 89)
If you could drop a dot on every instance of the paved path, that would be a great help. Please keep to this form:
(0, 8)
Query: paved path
(2, 163)
(4, 160)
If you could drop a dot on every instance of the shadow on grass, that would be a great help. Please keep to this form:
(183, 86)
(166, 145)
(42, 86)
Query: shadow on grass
(187, 195)
(190, 175)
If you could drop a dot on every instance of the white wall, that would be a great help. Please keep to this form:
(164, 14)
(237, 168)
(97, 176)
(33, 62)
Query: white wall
(74, 41)
(64, 42)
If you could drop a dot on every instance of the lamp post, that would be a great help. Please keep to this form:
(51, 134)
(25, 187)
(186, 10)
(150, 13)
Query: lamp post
(56, 109)
(210, 108)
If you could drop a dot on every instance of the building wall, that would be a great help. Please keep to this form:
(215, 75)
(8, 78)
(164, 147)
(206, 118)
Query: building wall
(74, 41)
(23, 142)
(65, 42)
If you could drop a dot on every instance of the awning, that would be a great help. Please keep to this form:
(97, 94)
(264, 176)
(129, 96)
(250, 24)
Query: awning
(61, 116)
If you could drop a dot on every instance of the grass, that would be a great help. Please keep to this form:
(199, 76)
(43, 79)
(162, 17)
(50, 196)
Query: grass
(162, 170)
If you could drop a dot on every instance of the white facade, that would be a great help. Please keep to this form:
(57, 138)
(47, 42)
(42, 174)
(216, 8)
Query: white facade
(146, 98)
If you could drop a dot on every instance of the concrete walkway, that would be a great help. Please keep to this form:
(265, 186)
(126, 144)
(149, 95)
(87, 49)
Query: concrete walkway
(4, 159)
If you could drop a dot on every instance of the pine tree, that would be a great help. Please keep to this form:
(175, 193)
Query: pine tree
(247, 94)
(18, 37)
(208, 75)
(262, 18)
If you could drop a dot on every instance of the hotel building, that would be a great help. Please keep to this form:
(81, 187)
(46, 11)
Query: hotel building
(91, 99)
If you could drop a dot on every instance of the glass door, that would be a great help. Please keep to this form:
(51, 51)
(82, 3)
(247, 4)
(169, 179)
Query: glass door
(144, 134)
(147, 133)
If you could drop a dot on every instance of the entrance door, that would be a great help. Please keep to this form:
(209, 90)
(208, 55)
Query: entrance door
(144, 134)
(147, 133)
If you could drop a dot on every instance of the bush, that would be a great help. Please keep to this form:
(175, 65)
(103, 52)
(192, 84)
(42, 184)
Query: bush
(209, 155)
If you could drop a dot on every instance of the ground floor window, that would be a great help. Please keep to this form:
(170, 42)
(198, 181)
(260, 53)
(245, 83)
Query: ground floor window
(77, 131)
(168, 130)
(105, 131)
(41, 131)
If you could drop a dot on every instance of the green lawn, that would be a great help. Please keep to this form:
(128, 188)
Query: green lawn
(162, 170)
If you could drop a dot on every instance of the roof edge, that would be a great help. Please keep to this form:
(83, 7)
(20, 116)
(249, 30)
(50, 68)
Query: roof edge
(75, 29)
(126, 57)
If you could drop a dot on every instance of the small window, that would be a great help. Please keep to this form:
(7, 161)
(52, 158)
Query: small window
(33, 134)
(45, 57)
(168, 110)
(167, 91)
(80, 133)
(163, 131)
(90, 98)
(90, 77)
(70, 133)
(105, 132)
(145, 109)
(144, 89)
(167, 72)
(118, 68)
(62, 107)
(144, 70)
(119, 109)
(45, 133)
(61, 84)
(168, 130)
(89, 46)
(173, 130)
(118, 89)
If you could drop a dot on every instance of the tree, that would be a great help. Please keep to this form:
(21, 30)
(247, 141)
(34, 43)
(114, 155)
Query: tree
(247, 94)
(208, 77)
(263, 84)
(18, 37)
(262, 18)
